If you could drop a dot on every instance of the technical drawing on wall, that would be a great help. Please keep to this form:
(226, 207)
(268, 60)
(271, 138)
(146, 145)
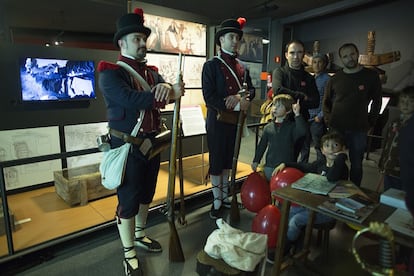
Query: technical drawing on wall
(26, 143)
(83, 136)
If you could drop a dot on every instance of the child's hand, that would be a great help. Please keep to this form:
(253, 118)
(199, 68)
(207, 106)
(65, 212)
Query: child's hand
(296, 108)
(254, 166)
(278, 168)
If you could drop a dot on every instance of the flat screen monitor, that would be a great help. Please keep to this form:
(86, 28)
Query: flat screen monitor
(51, 79)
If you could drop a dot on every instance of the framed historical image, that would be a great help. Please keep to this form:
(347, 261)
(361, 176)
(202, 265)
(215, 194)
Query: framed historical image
(251, 48)
(170, 35)
(193, 67)
(255, 70)
(168, 65)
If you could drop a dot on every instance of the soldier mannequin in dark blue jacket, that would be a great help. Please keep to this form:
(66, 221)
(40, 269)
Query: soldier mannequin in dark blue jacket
(125, 97)
(222, 78)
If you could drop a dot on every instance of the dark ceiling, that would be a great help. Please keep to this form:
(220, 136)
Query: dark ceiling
(99, 16)
(94, 20)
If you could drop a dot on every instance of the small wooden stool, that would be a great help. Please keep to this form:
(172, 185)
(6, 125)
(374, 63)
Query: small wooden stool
(207, 265)
(323, 234)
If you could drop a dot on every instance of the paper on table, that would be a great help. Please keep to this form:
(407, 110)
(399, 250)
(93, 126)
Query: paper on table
(314, 183)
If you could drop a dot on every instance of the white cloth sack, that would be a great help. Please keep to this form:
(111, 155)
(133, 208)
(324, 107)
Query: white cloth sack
(238, 249)
(113, 165)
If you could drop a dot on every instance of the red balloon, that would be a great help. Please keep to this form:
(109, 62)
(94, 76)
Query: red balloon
(284, 178)
(267, 222)
(255, 192)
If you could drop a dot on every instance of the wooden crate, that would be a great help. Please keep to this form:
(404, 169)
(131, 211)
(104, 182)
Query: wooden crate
(81, 184)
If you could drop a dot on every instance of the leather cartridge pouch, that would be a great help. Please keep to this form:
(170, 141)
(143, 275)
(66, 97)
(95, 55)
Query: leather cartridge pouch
(161, 142)
(228, 117)
(149, 147)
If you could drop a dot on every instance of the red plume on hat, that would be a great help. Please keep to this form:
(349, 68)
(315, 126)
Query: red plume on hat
(140, 12)
(241, 21)
(131, 23)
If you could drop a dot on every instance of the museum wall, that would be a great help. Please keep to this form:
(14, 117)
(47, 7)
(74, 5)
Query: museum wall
(17, 114)
(81, 120)
(392, 21)
(78, 121)
(24, 115)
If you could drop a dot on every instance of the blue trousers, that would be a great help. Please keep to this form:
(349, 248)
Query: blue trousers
(139, 183)
(316, 131)
(298, 218)
(356, 142)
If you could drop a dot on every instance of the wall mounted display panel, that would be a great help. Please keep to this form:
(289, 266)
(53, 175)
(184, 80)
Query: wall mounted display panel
(168, 64)
(193, 67)
(83, 136)
(193, 122)
(51, 79)
(26, 143)
(251, 48)
(255, 70)
(170, 35)
(192, 97)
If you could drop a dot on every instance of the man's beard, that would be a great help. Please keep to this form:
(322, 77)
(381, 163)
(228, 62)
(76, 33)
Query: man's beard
(351, 64)
(141, 53)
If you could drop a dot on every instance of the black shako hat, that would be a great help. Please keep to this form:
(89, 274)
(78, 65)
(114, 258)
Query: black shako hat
(131, 23)
(230, 26)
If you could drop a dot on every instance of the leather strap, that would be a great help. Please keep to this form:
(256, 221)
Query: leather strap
(125, 137)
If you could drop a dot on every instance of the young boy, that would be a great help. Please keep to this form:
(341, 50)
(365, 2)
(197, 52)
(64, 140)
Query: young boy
(280, 135)
(389, 163)
(333, 166)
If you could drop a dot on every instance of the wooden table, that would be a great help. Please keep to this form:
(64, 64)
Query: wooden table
(311, 201)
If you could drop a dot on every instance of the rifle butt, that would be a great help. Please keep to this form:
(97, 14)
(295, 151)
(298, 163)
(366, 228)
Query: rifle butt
(175, 250)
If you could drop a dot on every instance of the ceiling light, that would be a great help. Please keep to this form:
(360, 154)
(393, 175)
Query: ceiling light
(265, 41)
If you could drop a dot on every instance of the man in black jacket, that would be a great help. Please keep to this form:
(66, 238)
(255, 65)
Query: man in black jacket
(292, 79)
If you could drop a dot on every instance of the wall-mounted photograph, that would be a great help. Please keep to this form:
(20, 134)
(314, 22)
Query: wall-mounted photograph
(251, 48)
(168, 66)
(255, 70)
(170, 35)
